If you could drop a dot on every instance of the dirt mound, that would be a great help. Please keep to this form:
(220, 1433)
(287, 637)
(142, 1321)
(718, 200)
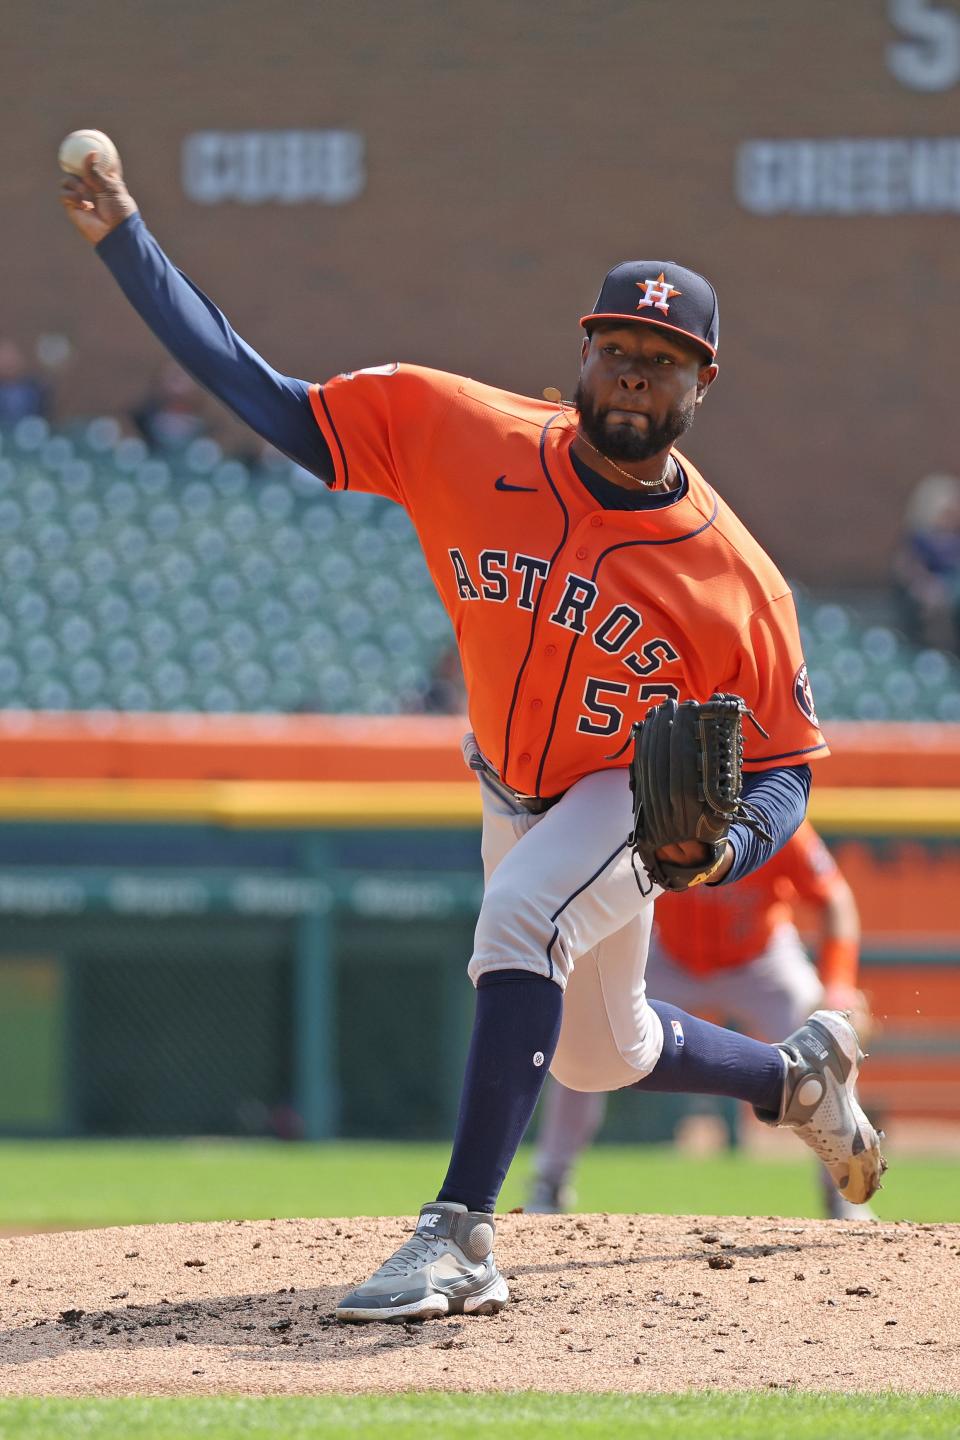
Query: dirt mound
(600, 1302)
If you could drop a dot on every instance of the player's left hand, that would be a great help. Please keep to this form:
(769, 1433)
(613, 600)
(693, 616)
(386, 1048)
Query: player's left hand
(98, 201)
(691, 852)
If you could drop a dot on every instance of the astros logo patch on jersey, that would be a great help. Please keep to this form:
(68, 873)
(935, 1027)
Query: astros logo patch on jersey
(803, 694)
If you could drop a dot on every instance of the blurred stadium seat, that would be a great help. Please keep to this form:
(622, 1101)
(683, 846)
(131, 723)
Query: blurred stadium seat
(190, 583)
(870, 672)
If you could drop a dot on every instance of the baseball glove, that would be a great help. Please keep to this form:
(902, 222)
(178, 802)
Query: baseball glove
(686, 778)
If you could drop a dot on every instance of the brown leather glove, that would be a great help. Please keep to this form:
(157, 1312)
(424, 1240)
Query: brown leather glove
(686, 778)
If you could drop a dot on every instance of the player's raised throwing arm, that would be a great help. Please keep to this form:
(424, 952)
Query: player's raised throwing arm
(191, 327)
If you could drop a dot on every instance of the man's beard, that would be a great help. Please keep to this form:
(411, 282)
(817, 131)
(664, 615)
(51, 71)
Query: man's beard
(625, 441)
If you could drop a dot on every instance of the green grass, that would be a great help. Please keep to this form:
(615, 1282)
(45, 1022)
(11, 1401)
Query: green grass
(100, 1183)
(64, 1184)
(744, 1416)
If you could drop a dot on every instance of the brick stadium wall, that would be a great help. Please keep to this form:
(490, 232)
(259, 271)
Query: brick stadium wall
(515, 150)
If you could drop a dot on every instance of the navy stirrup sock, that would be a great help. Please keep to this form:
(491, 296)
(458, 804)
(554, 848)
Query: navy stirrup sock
(703, 1059)
(515, 1032)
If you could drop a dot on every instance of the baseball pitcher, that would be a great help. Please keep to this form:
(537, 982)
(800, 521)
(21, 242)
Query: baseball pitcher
(594, 580)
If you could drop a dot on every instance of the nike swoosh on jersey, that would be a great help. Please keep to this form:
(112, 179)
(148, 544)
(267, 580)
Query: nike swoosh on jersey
(501, 484)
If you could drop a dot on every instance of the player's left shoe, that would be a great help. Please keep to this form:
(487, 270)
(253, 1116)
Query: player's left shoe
(445, 1268)
(823, 1061)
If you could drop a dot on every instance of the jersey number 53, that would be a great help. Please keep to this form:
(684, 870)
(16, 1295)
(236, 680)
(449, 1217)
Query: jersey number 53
(603, 717)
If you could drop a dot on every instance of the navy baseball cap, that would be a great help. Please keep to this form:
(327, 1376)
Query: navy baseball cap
(660, 292)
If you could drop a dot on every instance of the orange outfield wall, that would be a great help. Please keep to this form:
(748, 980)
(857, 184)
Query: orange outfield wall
(103, 745)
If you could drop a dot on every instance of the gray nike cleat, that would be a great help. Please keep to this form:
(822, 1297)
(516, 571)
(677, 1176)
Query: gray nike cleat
(820, 1103)
(445, 1268)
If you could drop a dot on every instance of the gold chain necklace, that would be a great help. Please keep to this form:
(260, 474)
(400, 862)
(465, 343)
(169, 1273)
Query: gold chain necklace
(552, 394)
(647, 484)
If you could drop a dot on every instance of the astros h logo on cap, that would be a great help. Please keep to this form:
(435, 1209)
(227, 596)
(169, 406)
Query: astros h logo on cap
(658, 293)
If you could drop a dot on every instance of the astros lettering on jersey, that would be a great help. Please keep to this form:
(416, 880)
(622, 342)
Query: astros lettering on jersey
(571, 619)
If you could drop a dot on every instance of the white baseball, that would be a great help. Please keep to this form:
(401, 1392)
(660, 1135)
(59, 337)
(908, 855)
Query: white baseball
(78, 145)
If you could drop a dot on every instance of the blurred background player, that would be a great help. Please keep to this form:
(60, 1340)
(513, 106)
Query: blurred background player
(22, 392)
(733, 952)
(171, 415)
(927, 564)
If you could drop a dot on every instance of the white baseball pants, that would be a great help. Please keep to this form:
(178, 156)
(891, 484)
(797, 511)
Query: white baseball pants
(562, 900)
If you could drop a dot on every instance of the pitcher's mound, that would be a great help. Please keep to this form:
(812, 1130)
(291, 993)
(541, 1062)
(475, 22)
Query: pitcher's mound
(600, 1302)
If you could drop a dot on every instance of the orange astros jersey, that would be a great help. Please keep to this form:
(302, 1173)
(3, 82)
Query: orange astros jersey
(571, 619)
(718, 928)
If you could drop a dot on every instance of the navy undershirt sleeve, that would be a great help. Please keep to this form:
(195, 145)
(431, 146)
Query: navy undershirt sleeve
(781, 798)
(202, 339)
